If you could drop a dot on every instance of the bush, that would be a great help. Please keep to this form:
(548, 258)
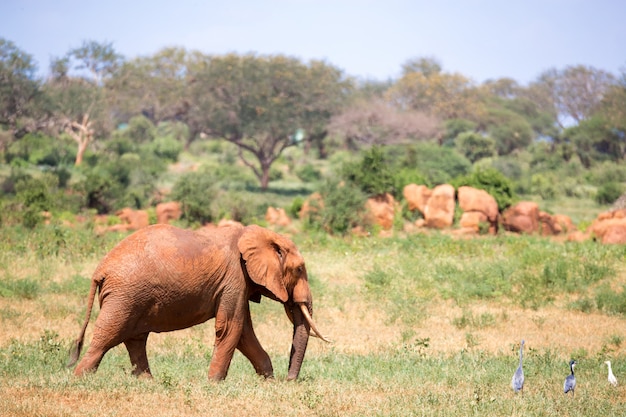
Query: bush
(372, 175)
(196, 192)
(438, 164)
(344, 206)
(308, 173)
(294, 209)
(455, 127)
(406, 176)
(38, 149)
(492, 181)
(543, 185)
(166, 148)
(140, 129)
(36, 195)
(235, 206)
(609, 192)
(475, 146)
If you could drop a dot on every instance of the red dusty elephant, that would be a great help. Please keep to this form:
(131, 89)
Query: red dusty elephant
(162, 278)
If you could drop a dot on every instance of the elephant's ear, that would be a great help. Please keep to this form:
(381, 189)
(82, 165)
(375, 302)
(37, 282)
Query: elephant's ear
(264, 259)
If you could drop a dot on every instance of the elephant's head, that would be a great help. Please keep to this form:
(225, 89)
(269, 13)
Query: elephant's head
(275, 265)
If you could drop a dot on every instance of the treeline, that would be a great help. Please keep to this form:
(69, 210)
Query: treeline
(103, 128)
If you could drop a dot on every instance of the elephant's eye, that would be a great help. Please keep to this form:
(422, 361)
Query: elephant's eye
(278, 252)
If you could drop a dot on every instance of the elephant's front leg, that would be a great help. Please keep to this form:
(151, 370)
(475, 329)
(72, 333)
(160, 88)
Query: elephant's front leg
(228, 331)
(250, 346)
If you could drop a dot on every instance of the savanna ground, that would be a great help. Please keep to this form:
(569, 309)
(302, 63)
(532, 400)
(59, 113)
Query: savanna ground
(425, 324)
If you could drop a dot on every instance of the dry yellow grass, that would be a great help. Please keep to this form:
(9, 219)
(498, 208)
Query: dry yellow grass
(357, 326)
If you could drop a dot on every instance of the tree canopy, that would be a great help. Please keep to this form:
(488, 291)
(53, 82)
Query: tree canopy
(264, 104)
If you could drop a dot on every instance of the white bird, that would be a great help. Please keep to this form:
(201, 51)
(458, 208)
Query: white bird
(570, 381)
(517, 382)
(612, 379)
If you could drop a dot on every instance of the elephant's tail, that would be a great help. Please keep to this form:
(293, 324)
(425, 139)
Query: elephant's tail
(77, 346)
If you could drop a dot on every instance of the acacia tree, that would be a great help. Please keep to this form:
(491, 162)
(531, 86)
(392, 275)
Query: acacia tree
(376, 122)
(154, 86)
(22, 106)
(575, 92)
(425, 87)
(76, 86)
(259, 103)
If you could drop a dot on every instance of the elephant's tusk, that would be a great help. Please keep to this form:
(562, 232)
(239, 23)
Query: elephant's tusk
(308, 318)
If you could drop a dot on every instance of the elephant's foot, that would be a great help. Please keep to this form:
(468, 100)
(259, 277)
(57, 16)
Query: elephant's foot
(142, 373)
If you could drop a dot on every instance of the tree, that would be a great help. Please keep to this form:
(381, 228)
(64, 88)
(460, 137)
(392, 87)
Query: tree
(376, 122)
(576, 91)
(430, 90)
(154, 86)
(80, 99)
(77, 104)
(99, 60)
(475, 146)
(259, 103)
(424, 65)
(21, 100)
(509, 130)
(324, 92)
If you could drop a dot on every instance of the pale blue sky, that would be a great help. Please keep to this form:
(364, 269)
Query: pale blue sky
(481, 39)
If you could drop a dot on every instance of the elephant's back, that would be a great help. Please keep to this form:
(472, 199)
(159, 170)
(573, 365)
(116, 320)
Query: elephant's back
(164, 248)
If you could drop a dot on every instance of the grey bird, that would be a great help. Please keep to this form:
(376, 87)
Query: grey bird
(517, 382)
(570, 381)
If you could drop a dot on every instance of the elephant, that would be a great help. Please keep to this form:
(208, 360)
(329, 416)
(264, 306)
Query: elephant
(163, 278)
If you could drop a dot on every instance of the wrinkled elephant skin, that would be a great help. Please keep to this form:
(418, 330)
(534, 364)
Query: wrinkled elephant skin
(162, 278)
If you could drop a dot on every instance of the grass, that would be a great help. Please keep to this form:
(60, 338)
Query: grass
(421, 325)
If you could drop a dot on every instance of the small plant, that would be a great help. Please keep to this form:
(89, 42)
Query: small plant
(608, 193)
(471, 340)
(377, 278)
(26, 288)
(469, 320)
(308, 173)
(343, 208)
(584, 305)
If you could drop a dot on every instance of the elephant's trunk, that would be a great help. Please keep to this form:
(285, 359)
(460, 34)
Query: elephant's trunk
(301, 329)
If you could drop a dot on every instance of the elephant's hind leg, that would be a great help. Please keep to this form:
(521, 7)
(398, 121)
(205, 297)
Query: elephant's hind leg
(98, 347)
(108, 333)
(138, 357)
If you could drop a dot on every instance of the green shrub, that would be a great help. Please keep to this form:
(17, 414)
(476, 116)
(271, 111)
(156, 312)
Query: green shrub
(234, 205)
(544, 186)
(120, 144)
(492, 181)
(455, 127)
(308, 173)
(16, 175)
(344, 205)
(101, 187)
(166, 148)
(406, 176)
(196, 192)
(296, 205)
(27, 289)
(140, 129)
(610, 301)
(608, 193)
(38, 149)
(606, 172)
(36, 195)
(475, 146)
(372, 174)
(438, 164)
